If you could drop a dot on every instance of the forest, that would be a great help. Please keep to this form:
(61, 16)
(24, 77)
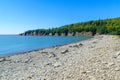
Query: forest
(106, 26)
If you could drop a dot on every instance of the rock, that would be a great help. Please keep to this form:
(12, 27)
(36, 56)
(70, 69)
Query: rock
(80, 44)
(44, 52)
(16, 61)
(57, 64)
(64, 51)
(92, 78)
(28, 61)
(2, 59)
(118, 57)
(88, 72)
(53, 55)
(83, 72)
(80, 79)
(111, 64)
(70, 46)
(77, 46)
(104, 63)
(49, 64)
(117, 69)
(94, 42)
(57, 58)
(83, 34)
(71, 34)
(118, 60)
(29, 77)
(117, 54)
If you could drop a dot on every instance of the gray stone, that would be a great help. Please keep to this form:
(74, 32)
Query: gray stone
(57, 64)
(52, 55)
(28, 61)
(2, 59)
(64, 51)
(111, 64)
(77, 46)
(44, 52)
(117, 54)
(88, 72)
(117, 69)
(104, 63)
(49, 64)
(80, 44)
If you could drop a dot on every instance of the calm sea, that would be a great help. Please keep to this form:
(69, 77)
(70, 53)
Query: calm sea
(16, 44)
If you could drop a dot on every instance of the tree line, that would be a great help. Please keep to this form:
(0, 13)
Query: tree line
(106, 26)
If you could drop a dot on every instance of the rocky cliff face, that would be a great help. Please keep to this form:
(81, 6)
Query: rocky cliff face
(83, 34)
(60, 34)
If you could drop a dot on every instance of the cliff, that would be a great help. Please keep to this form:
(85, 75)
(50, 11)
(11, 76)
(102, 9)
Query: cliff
(61, 34)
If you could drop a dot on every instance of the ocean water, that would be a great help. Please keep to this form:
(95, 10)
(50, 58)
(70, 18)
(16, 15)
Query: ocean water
(12, 44)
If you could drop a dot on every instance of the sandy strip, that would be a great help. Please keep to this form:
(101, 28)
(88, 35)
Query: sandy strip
(94, 59)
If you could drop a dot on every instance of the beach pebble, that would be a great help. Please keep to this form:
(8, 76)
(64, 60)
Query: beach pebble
(16, 61)
(92, 78)
(57, 64)
(88, 72)
(49, 64)
(70, 46)
(52, 55)
(77, 46)
(104, 63)
(80, 44)
(2, 59)
(117, 69)
(44, 52)
(64, 51)
(111, 64)
(117, 54)
(28, 61)
(83, 72)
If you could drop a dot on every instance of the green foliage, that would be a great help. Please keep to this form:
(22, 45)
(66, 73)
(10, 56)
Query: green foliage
(107, 26)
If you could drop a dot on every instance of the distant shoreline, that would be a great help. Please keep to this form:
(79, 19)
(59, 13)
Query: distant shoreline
(89, 28)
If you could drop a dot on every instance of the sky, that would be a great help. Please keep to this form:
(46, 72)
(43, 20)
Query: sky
(17, 16)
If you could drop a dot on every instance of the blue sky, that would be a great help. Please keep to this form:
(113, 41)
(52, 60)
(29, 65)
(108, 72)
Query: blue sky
(17, 16)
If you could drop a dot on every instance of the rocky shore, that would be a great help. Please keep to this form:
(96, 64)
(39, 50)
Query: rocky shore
(95, 59)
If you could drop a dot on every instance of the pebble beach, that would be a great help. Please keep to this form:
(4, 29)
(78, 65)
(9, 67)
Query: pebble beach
(97, 58)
